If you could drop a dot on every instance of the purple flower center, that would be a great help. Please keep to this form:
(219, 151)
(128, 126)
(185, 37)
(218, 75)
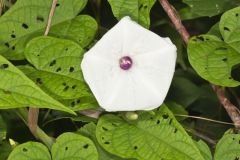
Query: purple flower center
(125, 63)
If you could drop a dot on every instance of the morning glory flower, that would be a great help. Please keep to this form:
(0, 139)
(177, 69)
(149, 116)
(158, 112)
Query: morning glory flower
(130, 68)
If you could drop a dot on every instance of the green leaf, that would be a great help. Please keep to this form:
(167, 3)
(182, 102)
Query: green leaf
(57, 64)
(30, 151)
(228, 147)
(209, 8)
(17, 27)
(138, 10)
(213, 59)
(151, 137)
(81, 103)
(72, 146)
(89, 130)
(230, 28)
(81, 29)
(16, 90)
(204, 149)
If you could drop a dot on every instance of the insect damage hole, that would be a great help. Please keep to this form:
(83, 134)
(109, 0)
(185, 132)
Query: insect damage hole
(13, 36)
(74, 86)
(86, 146)
(71, 69)
(226, 29)
(72, 104)
(4, 66)
(135, 147)
(58, 69)
(7, 44)
(104, 128)
(24, 149)
(40, 18)
(165, 116)
(25, 26)
(224, 59)
(106, 142)
(66, 88)
(52, 63)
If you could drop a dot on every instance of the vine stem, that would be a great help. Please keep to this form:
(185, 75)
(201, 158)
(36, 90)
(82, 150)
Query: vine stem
(40, 134)
(34, 112)
(230, 108)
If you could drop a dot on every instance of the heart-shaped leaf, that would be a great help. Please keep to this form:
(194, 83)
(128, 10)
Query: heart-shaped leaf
(57, 64)
(138, 10)
(30, 151)
(213, 59)
(150, 137)
(89, 130)
(16, 90)
(72, 146)
(27, 17)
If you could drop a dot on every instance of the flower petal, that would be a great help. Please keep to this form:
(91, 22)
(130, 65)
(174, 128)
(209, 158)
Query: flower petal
(145, 85)
(139, 40)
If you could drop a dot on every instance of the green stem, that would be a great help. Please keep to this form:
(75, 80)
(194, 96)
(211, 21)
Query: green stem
(40, 134)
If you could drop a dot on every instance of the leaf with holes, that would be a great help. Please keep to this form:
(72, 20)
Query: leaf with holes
(89, 130)
(16, 90)
(57, 64)
(81, 103)
(138, 10)
(151, 137)
(73, 146)
(30, 151)
(27, 17)
(81, 29)
(204, 149)
(228, 147)
(213, 59)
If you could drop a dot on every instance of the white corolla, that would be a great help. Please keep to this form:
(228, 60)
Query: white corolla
(130, 68)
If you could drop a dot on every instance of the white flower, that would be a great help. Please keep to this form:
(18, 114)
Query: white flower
(130, 68)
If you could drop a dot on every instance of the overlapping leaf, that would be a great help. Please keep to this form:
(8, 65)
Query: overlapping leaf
(57, 64)
(138, 10)
(228, 147)
(27, 17)
(151, 137)
(89, 130)
(16, 90)
(30, 151)
(213, 58)
(72, 146)
(68, 146)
